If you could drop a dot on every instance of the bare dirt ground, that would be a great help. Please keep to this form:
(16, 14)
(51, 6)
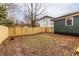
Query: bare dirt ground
(45, 44)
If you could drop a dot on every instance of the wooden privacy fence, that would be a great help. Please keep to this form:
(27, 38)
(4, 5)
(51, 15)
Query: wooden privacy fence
(16, 31)
(4, 33)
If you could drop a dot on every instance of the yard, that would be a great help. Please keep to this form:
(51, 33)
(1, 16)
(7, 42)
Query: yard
(43, 44)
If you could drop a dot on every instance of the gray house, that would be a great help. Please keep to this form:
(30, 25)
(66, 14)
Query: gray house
(67, 24)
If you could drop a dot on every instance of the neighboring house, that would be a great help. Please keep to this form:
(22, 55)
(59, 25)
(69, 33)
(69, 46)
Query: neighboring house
(46, 21)
(67, 24)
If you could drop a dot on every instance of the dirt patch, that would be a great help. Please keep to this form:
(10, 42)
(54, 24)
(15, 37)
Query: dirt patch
(45, 44)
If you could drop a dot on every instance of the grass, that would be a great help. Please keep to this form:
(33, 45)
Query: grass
(40, 44)
(42, 40)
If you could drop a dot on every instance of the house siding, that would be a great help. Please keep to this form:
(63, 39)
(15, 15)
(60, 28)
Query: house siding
(46, 22)
(59, 26)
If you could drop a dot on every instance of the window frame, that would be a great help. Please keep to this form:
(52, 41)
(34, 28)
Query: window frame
(67, 18)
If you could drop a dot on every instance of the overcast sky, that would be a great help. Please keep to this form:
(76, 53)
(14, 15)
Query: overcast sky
(59, 9)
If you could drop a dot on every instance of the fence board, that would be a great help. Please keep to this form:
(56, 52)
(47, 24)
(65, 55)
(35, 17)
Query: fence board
(4, 33)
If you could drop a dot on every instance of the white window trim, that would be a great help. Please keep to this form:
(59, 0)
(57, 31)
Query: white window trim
(66, 21)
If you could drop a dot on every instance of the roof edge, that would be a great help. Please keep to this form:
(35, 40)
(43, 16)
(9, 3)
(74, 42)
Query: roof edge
(55, 19)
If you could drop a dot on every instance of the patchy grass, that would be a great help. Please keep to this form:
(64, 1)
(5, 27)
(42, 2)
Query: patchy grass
(40, 44)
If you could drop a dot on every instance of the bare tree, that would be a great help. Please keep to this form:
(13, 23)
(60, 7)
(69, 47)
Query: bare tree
(33, 12)
(12, 10)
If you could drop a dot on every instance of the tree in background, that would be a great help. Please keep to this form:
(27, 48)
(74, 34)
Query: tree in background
(33, 12)
(3, 16)
(12, 11)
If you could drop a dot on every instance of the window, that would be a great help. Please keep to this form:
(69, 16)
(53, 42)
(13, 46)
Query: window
(69, 21)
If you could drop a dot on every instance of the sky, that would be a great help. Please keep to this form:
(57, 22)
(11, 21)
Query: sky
(59, 9)
(56, 9)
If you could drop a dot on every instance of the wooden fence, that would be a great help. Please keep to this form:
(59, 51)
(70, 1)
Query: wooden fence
(16, 31)
(4, 33)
